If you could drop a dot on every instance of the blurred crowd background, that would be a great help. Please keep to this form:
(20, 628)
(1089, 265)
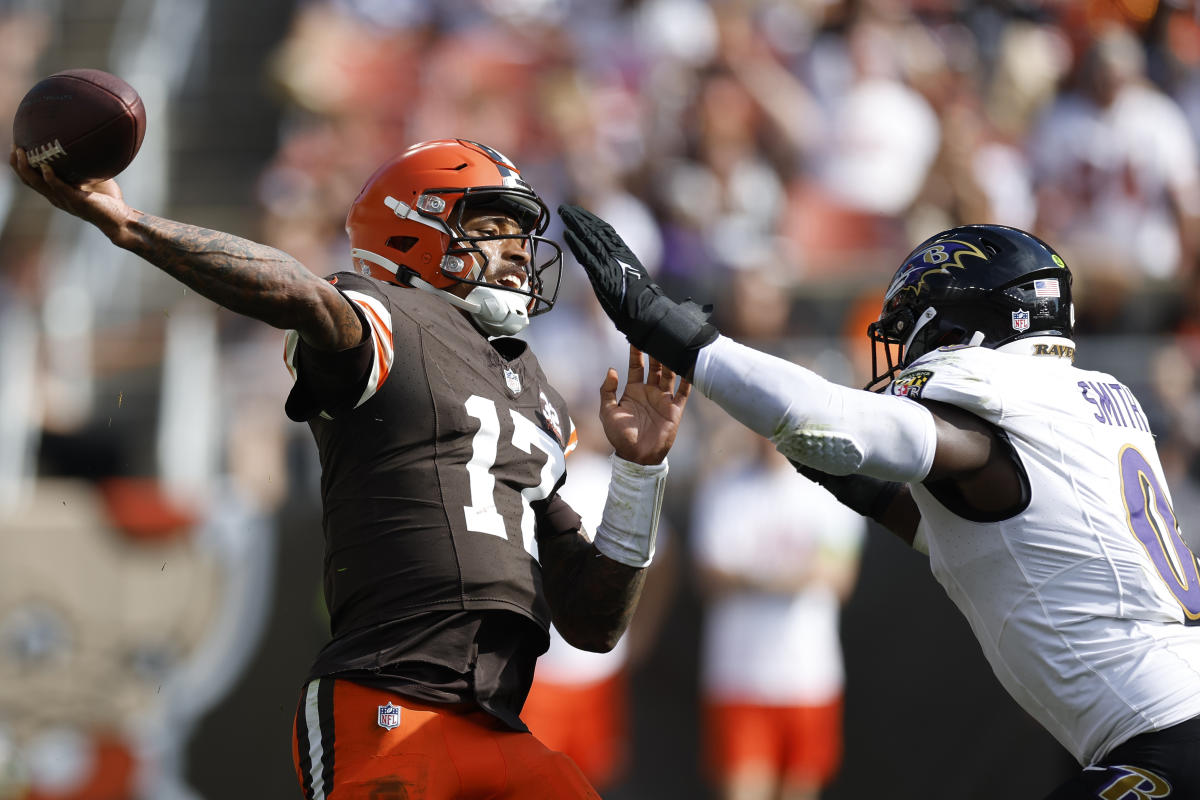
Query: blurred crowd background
(160, 544)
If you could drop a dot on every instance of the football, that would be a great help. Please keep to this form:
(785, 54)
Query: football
(85, 123)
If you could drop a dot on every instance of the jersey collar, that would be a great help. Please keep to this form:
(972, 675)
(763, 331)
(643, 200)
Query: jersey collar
(1054, 346)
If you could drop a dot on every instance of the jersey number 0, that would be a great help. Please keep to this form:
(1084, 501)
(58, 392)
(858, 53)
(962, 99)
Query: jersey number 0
(1153, 522)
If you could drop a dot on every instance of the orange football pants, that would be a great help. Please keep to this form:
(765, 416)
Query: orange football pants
(801, 743)
(351, 742)
(587, 722)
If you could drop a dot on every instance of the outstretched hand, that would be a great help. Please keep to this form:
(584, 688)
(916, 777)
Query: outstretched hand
(99, 203)
(670, 331)
(641, 426)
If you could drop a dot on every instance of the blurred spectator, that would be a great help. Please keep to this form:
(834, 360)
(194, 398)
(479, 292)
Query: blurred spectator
(777, 555)
(1029, 60)
(978, 175)
(1181, 42)
(1174, 410)
(864, 138)
(24, 33)
(882, 134)
(1117, 181)
(123, 619)
(722, 198)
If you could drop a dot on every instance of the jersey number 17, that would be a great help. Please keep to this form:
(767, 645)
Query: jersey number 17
(482, 515)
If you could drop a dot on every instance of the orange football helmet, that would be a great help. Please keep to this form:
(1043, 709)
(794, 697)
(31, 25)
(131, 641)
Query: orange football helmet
(405, 227)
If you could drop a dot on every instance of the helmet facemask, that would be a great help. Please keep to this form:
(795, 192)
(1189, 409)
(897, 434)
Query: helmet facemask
(466, 262)
(902, 337)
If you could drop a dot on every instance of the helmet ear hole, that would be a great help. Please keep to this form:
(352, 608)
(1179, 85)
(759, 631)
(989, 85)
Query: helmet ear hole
(401, 243)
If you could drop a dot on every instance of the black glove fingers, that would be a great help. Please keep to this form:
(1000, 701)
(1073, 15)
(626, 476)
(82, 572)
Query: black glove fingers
(603, 274)
(597, 236)
(671, 332)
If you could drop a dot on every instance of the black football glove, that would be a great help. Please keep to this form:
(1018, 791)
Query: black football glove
(670, 331)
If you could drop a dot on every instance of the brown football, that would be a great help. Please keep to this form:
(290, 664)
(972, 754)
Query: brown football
(85, 123)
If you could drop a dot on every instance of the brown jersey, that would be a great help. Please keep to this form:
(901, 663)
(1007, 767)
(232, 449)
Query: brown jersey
(440, 452)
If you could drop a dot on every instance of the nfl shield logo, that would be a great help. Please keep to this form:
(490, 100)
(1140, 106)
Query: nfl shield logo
(513, 380)
(389, 716)
(1020, 320)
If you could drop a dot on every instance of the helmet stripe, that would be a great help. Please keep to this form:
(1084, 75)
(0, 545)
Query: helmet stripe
(503, 162)
(509, 175)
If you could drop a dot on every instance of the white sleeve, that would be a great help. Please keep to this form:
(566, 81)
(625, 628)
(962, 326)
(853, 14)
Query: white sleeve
(826, 426)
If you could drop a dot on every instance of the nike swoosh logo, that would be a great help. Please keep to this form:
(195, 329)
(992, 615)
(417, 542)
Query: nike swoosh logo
(627, 268)
(626, 271)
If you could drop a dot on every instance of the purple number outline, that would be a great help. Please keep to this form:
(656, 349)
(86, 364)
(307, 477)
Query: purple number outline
(1140, 486)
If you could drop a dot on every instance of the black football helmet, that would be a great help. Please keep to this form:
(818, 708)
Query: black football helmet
(983, 285)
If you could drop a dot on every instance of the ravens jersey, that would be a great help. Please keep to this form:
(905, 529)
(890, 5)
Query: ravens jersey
(440, 451)
(1084, 599)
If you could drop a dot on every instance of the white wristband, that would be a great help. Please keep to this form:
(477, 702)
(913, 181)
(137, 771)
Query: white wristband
(630, 521)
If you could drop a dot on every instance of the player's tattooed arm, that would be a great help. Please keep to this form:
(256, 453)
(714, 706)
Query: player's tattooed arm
(592, 597)
(246, 277)
(241, 275)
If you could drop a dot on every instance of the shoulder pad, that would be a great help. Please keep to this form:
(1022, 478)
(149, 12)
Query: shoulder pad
(960, 376)
(352, 281)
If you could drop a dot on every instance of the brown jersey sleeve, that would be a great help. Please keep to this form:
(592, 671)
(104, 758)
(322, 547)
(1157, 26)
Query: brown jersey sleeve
(555, 517)
(332, 383)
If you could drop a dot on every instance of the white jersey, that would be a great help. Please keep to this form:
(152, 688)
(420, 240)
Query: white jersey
(763, 521)
(1081, 601)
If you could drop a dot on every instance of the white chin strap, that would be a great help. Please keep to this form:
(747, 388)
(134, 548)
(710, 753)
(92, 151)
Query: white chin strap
(922, 321)
(498, 312)
(931, 312)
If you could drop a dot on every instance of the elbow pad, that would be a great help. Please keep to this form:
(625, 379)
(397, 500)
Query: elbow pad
(812, 421)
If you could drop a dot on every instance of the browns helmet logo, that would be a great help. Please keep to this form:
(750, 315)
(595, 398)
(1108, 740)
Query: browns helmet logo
(936, 259)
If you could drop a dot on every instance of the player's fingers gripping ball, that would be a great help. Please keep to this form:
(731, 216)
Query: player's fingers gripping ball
(670, 331)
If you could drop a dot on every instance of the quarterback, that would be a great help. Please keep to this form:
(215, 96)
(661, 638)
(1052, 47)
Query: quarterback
(1034, 486)
(448, 550)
